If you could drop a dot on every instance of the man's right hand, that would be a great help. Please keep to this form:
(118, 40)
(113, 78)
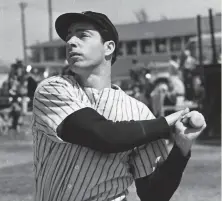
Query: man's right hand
(184, 135)
(172, 118)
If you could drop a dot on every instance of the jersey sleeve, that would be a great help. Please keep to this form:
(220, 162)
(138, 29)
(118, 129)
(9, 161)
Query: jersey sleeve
(54, 100)
(144, 159)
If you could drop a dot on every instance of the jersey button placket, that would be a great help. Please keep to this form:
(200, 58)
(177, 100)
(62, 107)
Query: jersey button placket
(69, 186)
(77, 167)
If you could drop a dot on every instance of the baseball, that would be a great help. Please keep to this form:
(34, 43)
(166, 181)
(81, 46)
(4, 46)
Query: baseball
(196, 119)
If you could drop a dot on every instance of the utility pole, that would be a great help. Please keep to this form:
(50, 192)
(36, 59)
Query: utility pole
(50, 19)
(23, 5)
(213, 45)
(200, 45)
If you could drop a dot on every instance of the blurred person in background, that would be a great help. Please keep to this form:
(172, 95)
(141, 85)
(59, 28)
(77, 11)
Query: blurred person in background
(174, 61)
(13, 85)
(168, 91)
(32, 82)
(4, 123)
(157, 97)
(176, 88)
(188, 65)
(15, 114)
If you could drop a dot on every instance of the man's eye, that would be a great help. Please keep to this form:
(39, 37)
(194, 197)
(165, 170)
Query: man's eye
(83, 35)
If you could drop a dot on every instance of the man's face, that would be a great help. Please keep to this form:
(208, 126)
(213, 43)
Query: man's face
(85, 49)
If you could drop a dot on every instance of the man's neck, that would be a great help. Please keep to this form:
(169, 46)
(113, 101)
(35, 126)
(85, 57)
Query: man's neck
(99, 79)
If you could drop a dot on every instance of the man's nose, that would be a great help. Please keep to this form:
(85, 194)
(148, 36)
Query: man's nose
(72, 42)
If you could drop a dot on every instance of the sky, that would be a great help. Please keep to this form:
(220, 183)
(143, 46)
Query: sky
(119, 11)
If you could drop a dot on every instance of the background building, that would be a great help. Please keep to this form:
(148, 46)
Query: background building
(145, 42)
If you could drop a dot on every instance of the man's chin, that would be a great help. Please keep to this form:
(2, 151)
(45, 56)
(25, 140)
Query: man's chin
(78, 68)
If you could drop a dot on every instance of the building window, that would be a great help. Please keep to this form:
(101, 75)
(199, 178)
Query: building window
(49, 53)
(120, 49)
(131, 48)
(35, 55)
(161, 45)
(62, 53)
(175, 44)
(187, 38)
(146, 46)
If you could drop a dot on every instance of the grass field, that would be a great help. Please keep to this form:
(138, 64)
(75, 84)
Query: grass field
(201, 180)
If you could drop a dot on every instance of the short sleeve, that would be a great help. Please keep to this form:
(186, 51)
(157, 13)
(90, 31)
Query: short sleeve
(54, 100)
(144, 158)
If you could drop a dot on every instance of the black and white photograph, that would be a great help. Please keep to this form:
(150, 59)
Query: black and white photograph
(110, 100)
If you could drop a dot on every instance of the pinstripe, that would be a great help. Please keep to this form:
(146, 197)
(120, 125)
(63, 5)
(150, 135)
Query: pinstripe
(94, 99)
(59, 100)
(117, 107)
(99, 176)
(85, 178)
(121, 108)
(101, 172)
(44, 170)
(118, 165)
(156, 155)
(97, 104)
(138, 110)
(84, 173)
(131, 108)
(80, 155)
(44, 113)
(66, 174)
(114, 160)
(118, 184)
(142, 162)
(59, 167)
(112, 105)
(127, 116)
(108, 172)
(142, 109)
(164, 146)
(71, 172)
(159, 148)
(44, 159)
(135, 166)
(62, 150)
(106, 103)
(53, 103)
(148, 156)
(42, 124)
(92, 175)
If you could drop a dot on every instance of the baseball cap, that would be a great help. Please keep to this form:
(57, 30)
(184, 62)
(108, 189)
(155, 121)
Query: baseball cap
(102, 22)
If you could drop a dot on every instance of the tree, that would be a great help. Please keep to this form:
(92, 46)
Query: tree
(141, 15)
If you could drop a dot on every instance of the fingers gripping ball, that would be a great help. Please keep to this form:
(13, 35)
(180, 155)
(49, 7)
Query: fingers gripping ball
(196, 119)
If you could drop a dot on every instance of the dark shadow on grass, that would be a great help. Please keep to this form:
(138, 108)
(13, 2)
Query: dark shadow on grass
(16, 148)
(211, 142)
(17, 179)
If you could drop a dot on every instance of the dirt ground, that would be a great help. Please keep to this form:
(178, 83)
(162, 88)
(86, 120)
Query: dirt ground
(201, 180)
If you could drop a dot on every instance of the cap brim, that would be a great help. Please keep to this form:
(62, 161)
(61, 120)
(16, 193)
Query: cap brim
(64, 21)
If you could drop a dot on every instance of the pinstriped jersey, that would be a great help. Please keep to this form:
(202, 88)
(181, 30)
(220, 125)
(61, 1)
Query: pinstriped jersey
(70, 172)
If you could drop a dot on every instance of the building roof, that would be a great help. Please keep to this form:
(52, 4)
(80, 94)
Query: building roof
(166, 28)
(54, 43)
(155, 29)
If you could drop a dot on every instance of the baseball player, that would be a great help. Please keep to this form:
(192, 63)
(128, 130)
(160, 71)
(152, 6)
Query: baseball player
(91, 140)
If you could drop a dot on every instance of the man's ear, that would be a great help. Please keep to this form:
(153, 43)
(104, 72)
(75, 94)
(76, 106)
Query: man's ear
(109, 47)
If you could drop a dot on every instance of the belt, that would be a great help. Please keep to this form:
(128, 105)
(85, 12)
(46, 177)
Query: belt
(121, 198)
